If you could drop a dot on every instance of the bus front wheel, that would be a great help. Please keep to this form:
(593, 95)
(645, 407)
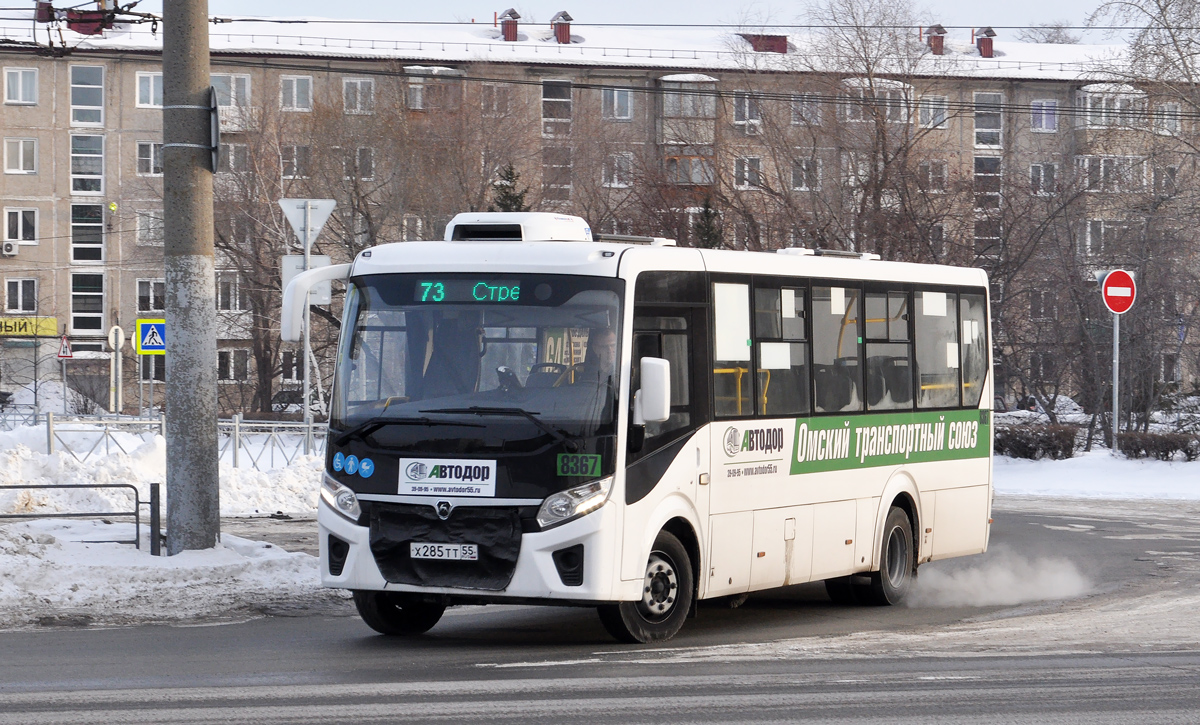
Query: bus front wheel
(397, 614)
(666, 597)
(897, 568)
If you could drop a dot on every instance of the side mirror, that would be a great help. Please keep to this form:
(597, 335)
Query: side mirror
(652, 404)
(294, 295)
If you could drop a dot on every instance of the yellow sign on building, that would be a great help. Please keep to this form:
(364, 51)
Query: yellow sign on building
(29, 326)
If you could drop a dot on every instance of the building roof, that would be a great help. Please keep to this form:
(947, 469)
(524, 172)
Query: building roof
(666, 48)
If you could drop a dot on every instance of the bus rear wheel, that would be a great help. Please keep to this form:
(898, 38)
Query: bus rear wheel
(666, 597)
(897, 571)
(397, 614)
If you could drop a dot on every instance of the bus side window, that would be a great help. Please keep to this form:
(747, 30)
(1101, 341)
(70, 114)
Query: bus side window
(974, 350)
(781, 339)
(732, 384)
(837, 338)
(936, 329)
(889, 354)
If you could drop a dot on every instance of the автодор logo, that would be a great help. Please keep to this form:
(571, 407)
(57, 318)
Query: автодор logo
(446, 477)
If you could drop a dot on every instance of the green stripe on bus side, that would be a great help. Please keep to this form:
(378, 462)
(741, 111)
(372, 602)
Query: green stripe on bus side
(864, 441)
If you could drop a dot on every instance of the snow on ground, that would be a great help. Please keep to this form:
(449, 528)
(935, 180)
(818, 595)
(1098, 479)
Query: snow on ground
(244, 491)
(1097, 474)
(50, 574)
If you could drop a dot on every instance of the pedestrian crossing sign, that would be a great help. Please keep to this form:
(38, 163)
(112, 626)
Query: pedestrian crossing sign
(150, 337)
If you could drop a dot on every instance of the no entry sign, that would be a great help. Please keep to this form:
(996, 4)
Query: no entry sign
(1119, 291)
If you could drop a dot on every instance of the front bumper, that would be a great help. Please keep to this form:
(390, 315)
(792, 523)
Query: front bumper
(534, 577)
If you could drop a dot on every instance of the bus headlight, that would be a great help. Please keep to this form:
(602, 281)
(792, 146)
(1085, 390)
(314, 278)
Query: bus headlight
(340, 499)
(574, 502)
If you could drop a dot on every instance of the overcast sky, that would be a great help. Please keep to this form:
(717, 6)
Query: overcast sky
(947, 12)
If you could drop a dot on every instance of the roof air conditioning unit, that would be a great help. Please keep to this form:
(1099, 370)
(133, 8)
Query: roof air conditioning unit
(9, 249)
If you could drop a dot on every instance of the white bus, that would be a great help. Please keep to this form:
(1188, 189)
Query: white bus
(523, 414)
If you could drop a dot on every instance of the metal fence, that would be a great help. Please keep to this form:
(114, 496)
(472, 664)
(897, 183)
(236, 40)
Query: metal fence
(261, 445)
(14, 415)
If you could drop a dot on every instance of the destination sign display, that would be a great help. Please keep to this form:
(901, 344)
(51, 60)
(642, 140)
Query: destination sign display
(467, 290)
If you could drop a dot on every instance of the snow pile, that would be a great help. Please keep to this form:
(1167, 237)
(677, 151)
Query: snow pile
(1004, 578)
(1097, 474)
(49, 575)
(291, 489)
(50, 397)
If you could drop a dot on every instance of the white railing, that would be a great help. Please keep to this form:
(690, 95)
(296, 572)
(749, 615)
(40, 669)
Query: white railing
(261, 445)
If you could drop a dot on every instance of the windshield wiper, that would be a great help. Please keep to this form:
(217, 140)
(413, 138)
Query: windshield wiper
(371, 425)
(532, 417)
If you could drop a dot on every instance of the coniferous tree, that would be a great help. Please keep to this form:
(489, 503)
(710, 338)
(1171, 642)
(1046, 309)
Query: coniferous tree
(707, 227)
(507, 196)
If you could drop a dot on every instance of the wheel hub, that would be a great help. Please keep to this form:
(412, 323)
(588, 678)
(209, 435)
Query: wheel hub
(660, 586)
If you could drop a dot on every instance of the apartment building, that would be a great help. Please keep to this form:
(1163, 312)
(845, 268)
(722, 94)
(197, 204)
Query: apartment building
(1005, 155)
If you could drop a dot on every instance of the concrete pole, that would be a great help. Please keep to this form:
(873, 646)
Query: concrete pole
(1116, 391)
(193, 511)
(308, 240)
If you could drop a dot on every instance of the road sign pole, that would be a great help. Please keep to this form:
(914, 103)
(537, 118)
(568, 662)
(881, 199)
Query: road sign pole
(1116, 385)
(64, 384)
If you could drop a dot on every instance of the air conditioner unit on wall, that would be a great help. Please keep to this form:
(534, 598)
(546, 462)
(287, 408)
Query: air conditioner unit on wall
(9, 249)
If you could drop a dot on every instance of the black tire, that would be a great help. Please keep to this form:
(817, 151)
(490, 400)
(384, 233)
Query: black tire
(668, 593)
(897, 563)
(397, 614)
(841, 590)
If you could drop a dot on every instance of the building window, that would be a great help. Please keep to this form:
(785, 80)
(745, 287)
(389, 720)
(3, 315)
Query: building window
(1118, 109)
(1167, 118)
(556, 173)
(410, 228)
(618, 171)
(1042, 305)
(989, 119)
(689, 100)
(1170, 367)
(1043, 179)
(806, 175)
(806, 109)
(937, 239)
(20, 155)
(1041, 366)
(1164, 180)
(694, 168)
(987, 182)
(359, 164)
(296, 161)
(87, 95)
(290, 366)
(20, 86)
(931, 176)
(747, 172)
(150, 90)
(295, 93)
(1112, 173)
(1043, 116)
(358, 95)
(556, 108)
(152, 295)
(233, 365)
(890, 104)
(495, 99)
(988, 236)
(153, 367)
(149, 228)
(87, 164)
(87, 303)
(87, 233)
(616, 104)
(1103, 234)
(747, 112)
(149, 161)
(231, 294)
(20, 295)
(232, 90)
(20, 226)
(933, 111)
(234, 158)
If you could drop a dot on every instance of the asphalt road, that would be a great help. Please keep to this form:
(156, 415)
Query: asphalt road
(783, 657)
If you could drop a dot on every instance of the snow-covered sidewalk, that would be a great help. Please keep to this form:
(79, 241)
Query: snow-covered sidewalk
(54, 572)
(1097, 474)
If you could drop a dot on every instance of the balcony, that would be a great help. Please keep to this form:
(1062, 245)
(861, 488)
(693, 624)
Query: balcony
(237, 119)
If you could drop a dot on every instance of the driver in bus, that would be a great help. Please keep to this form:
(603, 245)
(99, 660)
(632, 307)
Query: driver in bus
(600, 360)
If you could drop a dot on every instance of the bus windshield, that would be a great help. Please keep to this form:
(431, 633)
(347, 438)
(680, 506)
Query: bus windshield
(531, 353)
